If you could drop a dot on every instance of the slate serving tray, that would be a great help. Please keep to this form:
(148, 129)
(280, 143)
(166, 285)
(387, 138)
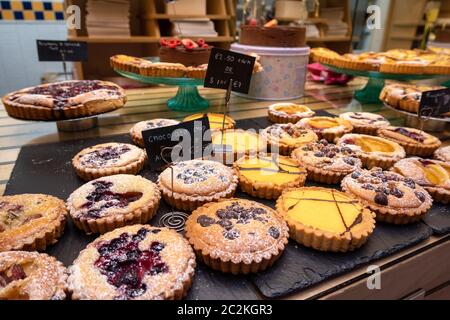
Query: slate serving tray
(46, 168)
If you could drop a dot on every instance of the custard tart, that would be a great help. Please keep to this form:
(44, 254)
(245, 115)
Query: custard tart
(327, 127)
(286, 112)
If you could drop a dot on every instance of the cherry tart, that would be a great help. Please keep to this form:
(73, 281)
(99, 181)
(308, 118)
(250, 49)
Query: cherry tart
(365, 122)
(108, 159)
(394, 198)
(31, 276)
(30, 221)
(136, 130)
(64, 100)
(236, 235)
(137, 262)
(286, 137)
(107, 203)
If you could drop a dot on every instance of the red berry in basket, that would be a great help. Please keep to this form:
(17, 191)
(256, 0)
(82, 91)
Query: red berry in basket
(200, 42)
(163, 42)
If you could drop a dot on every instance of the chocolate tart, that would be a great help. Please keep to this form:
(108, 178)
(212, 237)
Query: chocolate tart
(286, 112)
(327, 127)
(365, 122)
(136, 130)
(284, 138)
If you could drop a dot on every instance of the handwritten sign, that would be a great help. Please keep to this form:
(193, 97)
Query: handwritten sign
(434, 103)
(53, 50)
(227, 65)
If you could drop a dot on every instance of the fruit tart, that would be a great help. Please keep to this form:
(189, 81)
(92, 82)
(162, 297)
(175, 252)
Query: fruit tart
(443, 154)
(237, 236)
(327, 127)
(373, 151)
(284, 138)
(64, 100)
(415, 142)
(266, 176)
(365, 122)
(108, 159)
(30, 221)
(31, 276)
(215, 120)
(325, 219)
(433, 175)
(394, 198)
(111, 202)
(163, 69)
(326, 162)
(128, 63)
(286, 112)
(136, 130)
(137, 262)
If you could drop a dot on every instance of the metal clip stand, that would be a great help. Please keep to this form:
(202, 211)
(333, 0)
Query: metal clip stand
(175, 219)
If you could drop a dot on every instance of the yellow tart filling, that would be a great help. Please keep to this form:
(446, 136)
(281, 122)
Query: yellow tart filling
(323, 209)
(324, 123)
(291, 108)
(435, 173)
(215, 120)
(369, 144)
(239, 140)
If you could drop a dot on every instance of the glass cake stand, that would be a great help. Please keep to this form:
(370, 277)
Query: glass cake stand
(187, 97)
(372, 90)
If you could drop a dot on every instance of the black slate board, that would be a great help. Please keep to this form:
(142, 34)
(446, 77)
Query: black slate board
(46, 168)
(438, 218)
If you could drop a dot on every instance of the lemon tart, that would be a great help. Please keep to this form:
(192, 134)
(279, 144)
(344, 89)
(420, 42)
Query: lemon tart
(433, 175)
(325, 219)
(394, 198)
(327, 127)
(326, 162)
(289, 112)
(215, 120)
(365, 122)
(373, 151)
(284, 138)
(415, 142)
(266, 176)
(443, 154)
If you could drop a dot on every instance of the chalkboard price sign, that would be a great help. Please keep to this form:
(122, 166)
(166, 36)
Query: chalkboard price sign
(54, 50)
(227, 65)
(434, 103)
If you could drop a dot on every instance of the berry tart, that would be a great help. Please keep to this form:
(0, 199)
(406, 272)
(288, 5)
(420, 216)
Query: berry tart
(365, 122)
(415, 142)
(31, 276)
(188, 52)
(326, 162)
(433, 175)
(30, 221)
(215, 120)
(107, 203)
(108, 159)
(64, 100)
(373, 151)
(443, 154)
(394, 198)
(137, 262)
(196, 182)
(136, 130)
(266, 176)
(327, 127)
(325, 219)
(237, 236)
(286, 137)
(289, 112)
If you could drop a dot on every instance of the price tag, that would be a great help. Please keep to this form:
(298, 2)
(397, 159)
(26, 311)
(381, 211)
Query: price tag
(434, 103)
(227, 65)
(190, 139)
(53, 50)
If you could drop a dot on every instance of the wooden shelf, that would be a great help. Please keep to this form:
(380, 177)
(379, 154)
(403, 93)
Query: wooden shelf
(141, 39)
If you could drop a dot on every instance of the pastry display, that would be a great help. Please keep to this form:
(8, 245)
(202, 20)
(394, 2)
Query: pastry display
(327, 127)
(266, 176)
(31, 276)
(30, 221)
(326, 162)
(286, 112)
(215, 120)
(108, 159)
(284, 138)
(365, 122)
(394, 198)
(136, 130)
(373, 151)
(236, 235)
(405, 97)
(325, 219)
(443, 154)
(64, 100)
(196, 182)
(433, 175)
(137, 262)
(188, 52)
(415, 142)
(111, 202)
